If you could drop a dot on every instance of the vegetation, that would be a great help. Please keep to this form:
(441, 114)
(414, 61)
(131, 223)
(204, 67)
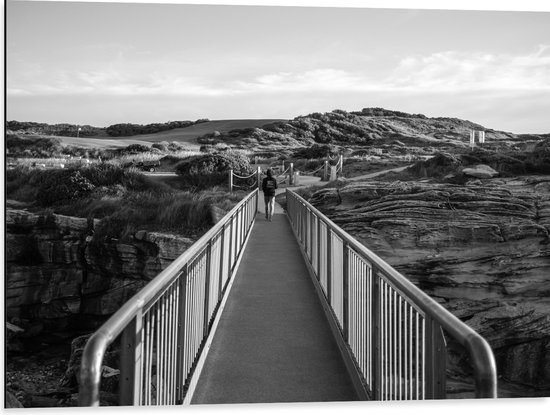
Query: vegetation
(124, 199)
(125, 130)
(316, 151)
(345, 128)
(211, 169)
(507, 163)
(65, 130)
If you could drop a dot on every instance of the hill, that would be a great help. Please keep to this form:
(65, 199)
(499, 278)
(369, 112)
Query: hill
(187, 135)
(370, 126)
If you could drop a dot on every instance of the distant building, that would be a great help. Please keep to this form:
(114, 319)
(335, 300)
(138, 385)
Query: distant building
(478, 135)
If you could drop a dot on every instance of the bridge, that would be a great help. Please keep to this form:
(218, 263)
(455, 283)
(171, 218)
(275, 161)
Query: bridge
(293, 310)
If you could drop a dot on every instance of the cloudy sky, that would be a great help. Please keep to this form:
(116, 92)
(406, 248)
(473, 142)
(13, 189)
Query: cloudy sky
(106, 63)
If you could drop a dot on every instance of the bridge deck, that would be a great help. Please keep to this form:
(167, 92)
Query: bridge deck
(273, 342)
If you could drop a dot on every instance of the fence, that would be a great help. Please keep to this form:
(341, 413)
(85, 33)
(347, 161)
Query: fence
(393, 331)
(163, 327)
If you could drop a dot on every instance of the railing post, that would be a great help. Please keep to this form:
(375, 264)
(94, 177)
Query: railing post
(325, 173)
(130, 363)
(259, 177)
(376, 337)
(436, 364)
(220, 274)
(291, 175)
(207, 289)
(311, 239)
(180, 377)
(230, 263)
(345, 290)
(318, 248)
(230, 181)
(329, 266)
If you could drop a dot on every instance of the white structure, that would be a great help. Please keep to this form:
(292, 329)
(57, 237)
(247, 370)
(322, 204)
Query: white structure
(480, 135)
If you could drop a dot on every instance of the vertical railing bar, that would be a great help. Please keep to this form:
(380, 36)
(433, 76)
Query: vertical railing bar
(376, 343)
(170, 342)
(411, 353)
(407, 348)
(160, 350)
(430, 381)
(401, 348)
(329, 265)
(424, 358)
(207, 289)
(148, 357)
(157, 347)
(180, 361)
(345, 291)
(174, 340)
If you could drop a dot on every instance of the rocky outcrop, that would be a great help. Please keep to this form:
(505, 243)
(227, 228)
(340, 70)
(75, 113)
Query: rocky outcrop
(482, 250)
(481, 171)
(59, 275)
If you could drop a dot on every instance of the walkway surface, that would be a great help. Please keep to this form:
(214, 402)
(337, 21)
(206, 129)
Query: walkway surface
(273, 342)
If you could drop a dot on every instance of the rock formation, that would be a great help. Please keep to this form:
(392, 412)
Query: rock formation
(57, 271)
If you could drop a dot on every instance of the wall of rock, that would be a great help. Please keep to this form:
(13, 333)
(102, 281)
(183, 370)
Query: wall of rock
(482, 250)
(59, 277)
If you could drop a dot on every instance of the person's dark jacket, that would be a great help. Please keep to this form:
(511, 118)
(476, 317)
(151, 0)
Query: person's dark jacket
(269, 184)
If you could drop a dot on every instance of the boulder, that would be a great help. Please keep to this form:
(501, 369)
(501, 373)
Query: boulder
(481, 171)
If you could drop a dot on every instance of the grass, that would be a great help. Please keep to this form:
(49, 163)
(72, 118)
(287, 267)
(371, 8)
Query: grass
(124, 199)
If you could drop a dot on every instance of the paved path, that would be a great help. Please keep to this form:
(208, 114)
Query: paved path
(273, 342)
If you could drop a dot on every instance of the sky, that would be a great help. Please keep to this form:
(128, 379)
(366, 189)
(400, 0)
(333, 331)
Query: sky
(106, 63)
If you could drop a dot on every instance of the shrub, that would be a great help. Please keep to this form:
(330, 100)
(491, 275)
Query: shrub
(209, 170)
(32, 147)
(316, 151)
(60, 186)
(136, 148)
(175, 146)
(162, 146)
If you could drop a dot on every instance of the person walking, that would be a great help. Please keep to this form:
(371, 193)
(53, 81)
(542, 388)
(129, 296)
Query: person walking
(269, 184)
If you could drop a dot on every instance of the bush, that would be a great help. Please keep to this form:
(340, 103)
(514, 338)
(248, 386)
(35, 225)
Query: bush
(60, 186)
(316, 151)
(136, 148)
(162, 146)
(32, 147)
(209, 170)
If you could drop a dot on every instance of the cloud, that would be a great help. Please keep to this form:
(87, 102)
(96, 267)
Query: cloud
(461, 71)
(448, 71)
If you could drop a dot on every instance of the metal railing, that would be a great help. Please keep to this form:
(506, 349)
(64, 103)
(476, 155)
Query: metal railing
(162, 329)
(393, 331)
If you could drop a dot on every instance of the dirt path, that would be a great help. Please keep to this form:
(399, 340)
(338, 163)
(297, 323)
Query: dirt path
(379, 173)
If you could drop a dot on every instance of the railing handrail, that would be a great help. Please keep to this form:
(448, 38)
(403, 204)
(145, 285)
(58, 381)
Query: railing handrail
(96, 346)
(483, 361)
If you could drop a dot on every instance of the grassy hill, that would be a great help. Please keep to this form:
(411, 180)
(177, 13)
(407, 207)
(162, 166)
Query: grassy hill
(187, 135)
(190, 134)
(368, 127)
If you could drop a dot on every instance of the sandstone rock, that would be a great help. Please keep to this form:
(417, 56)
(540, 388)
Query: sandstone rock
(169, 246)
(71, 224)
(71, 378)
(21, 218)
(103, 296)
(481, 171)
